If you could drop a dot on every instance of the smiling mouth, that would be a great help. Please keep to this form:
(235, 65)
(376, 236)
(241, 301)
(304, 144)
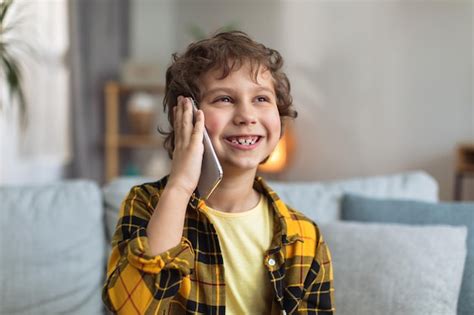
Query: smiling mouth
(243, 142)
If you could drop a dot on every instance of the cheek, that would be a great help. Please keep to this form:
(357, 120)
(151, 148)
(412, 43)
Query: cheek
(274, 122)
(213, 123)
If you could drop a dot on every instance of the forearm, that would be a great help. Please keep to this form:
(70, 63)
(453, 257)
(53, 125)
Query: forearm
(165, 227)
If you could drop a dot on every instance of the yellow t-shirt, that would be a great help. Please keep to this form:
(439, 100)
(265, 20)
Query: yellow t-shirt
(244, 237)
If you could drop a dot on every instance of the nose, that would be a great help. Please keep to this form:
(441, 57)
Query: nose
(245, 114)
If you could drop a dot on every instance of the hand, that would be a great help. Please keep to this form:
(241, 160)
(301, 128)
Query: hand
(188, 147)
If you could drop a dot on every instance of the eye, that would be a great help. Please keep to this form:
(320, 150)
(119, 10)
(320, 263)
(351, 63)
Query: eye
(224, 99)
(263, 99)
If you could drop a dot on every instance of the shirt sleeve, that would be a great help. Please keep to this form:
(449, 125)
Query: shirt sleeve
(319, 296)
(138, 281)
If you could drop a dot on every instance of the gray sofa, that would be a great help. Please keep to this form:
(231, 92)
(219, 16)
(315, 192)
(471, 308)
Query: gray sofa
(54, 243)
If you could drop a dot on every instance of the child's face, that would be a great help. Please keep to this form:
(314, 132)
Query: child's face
(237, 112)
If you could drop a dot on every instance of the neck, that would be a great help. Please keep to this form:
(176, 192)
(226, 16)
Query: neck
(235, 192)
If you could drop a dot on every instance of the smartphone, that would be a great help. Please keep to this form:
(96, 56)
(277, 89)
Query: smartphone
(211, 169)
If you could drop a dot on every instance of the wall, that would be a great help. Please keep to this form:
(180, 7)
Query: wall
(160, 28)
(381, 86)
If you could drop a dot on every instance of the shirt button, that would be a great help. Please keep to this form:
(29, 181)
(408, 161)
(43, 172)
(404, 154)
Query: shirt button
(271, 262)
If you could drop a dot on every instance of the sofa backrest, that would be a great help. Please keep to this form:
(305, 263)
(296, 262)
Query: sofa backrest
(320, 201)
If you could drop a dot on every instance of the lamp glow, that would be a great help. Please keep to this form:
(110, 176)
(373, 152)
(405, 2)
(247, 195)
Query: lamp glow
(278, 158)
(283, 152)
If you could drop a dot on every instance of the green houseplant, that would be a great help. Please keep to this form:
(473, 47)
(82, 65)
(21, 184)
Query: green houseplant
(10, 71)
(197, 33)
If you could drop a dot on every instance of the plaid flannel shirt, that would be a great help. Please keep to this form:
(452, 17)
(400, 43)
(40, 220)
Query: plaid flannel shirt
(189, 278)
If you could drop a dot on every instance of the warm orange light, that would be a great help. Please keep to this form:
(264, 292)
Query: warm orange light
(280, 156)
(277, 160)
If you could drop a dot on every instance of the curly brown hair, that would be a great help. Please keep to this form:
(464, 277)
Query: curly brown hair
(227, 51)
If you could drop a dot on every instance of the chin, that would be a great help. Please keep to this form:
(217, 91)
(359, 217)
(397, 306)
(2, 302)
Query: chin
(242, 166)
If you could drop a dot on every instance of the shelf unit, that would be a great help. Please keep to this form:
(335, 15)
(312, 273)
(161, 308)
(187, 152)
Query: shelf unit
(464, 167)
(115, 140)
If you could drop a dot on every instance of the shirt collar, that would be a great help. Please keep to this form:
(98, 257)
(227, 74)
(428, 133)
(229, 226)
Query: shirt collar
(286, 229)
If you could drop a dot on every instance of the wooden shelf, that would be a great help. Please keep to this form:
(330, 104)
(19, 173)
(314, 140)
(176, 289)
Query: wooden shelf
(114, 140)
(134, 141)
(465, 157)
(130, 88)
(464, 167)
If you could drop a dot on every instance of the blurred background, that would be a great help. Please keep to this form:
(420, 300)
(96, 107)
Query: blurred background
(381, 87)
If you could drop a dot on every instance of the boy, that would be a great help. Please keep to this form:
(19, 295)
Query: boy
(242, 251)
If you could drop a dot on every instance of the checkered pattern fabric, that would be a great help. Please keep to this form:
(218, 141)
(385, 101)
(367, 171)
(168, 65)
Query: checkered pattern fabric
(189, 278)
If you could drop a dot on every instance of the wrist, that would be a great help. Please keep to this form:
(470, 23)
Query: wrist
(177, 191)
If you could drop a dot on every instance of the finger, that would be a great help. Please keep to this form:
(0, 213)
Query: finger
(178, 122)
(174, 116)
(198, 130)
(187, 121)
(175, 125)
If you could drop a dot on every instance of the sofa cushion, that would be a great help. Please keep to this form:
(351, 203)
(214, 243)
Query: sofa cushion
(358, 208)
(395, 269)
(52, 249)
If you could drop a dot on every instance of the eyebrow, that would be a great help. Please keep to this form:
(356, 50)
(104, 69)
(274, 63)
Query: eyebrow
(231, 90)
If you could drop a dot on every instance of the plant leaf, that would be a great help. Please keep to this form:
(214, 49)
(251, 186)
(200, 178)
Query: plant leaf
(4, 6)
(9, 65)
(13, 76)
(196, 32)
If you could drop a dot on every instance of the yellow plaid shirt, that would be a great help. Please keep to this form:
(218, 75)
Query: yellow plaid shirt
(189, 278)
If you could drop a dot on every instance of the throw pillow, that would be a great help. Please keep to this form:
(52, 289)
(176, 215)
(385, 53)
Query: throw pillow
(358, 208)
(395, 269)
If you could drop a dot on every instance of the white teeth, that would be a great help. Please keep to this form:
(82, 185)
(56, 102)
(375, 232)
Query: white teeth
(244, 141)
